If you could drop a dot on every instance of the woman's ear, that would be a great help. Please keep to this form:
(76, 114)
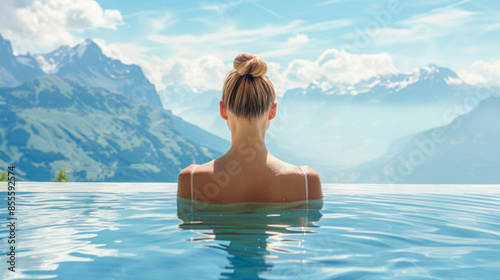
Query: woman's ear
(272, 111)
(222, 110)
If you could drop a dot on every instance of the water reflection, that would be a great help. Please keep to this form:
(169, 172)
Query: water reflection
(254, 238)
(59, 229)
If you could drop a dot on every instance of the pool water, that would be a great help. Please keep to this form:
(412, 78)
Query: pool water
(137, 231)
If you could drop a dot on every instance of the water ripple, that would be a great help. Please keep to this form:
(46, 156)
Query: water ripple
(115, 231)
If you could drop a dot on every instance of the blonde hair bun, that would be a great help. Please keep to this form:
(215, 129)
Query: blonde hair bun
(250, 64)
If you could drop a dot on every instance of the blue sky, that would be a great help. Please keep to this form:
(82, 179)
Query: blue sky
(183, 40)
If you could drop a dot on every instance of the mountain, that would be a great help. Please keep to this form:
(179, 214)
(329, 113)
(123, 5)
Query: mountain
(349, 125)
(15, 70)
(85, 63)
(428, 84)
(51, 122)
(466, 151)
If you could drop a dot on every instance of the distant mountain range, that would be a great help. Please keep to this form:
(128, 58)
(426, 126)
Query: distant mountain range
(84, 63)
(354, 124)
(466, 151)
(50, 122)
(429, 84)
(426, 85)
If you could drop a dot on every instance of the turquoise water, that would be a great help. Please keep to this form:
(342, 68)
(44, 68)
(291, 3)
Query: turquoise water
(134, 231)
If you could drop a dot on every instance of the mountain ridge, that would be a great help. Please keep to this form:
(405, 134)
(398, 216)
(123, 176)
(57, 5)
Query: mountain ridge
(15, 70)
(84, 63)
(386, 88)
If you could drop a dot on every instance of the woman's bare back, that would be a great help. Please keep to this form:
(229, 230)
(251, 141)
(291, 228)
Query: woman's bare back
(230, 180)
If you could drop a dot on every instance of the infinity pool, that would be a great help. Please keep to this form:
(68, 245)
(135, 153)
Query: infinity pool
(136, 231)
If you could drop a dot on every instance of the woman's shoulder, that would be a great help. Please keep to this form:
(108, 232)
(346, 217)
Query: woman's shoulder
(311, 173)
(313, 181)
(184, 179)
(292, 173)
(288, 168)
(189, 169)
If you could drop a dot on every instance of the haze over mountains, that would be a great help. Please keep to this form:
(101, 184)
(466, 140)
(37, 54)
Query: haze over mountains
(77, 108)
(466, 151)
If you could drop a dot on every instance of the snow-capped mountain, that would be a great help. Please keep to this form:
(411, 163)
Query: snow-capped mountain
(428, 84)
(51, 62)
(85, 63)
(15, 70)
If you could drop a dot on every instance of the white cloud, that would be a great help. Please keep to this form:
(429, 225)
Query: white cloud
(203, 73)
(300, 73)
(489, 71)
(328, 2)
(423, 27)
(292, 46)
(127, 53)
(340, 66)
(300, 39)
(470, 77)
(50, 22)
(229, 41)
(447, 17)
(390, 36)
(333, 68)
(221, 7)
(227, 35)
(326, 25)
(481, 72)
(275, 39)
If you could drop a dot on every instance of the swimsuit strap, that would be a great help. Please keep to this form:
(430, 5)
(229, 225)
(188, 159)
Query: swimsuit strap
(192, 187)
(306, 186)
(306, 220)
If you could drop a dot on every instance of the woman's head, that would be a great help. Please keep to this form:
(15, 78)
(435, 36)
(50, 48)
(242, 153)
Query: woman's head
(247, 91)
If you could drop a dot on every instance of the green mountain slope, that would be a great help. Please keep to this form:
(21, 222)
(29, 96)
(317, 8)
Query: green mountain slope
(49, 123)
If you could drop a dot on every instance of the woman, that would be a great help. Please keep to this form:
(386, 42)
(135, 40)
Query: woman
(248, 172)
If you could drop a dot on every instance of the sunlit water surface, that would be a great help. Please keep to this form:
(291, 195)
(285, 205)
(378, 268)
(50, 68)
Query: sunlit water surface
(136, 231)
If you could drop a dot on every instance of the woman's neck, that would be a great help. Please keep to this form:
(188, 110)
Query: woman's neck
(248, 137)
